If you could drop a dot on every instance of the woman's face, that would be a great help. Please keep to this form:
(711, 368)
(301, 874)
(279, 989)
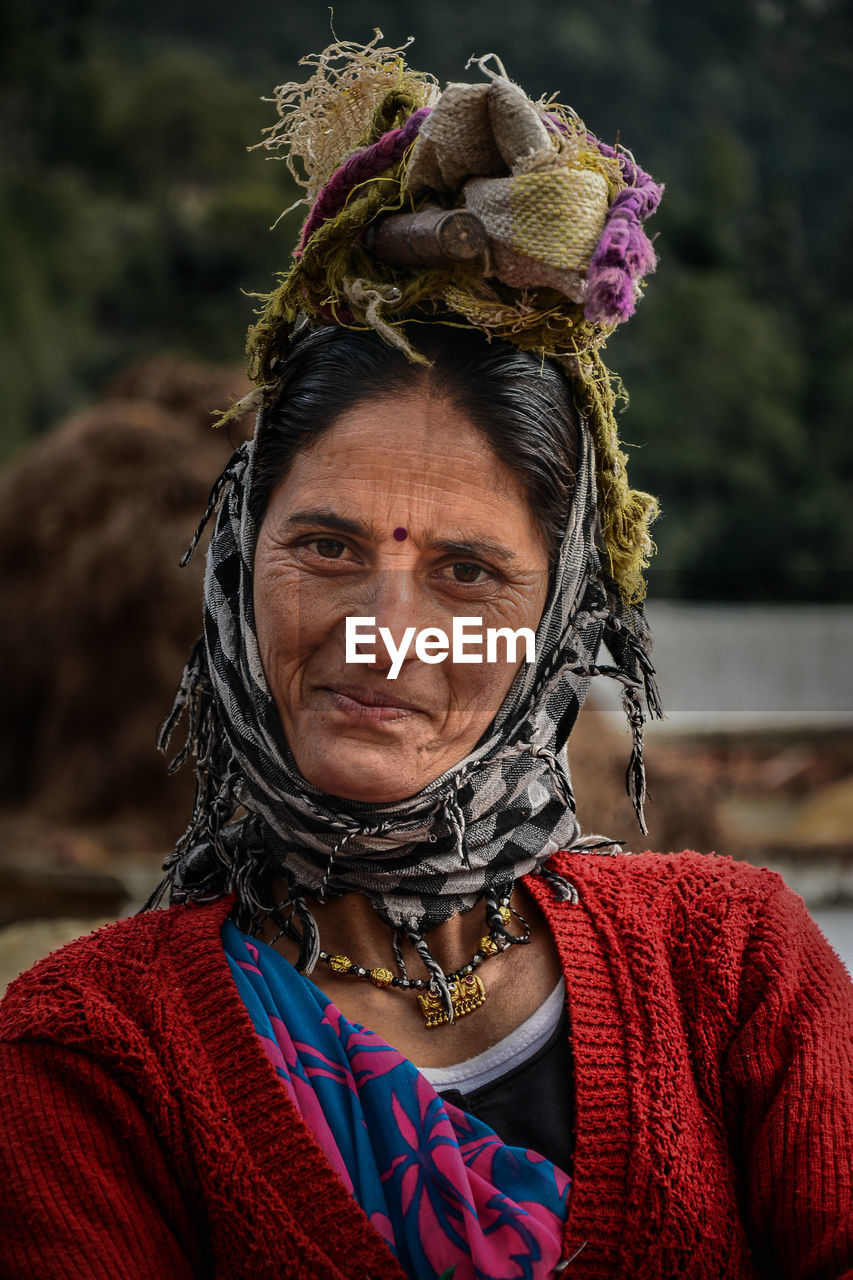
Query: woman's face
(400, 513)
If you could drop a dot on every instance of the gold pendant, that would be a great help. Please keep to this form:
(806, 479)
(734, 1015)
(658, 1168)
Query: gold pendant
(466, 995)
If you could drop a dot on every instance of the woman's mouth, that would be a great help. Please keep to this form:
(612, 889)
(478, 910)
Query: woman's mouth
(360, 703)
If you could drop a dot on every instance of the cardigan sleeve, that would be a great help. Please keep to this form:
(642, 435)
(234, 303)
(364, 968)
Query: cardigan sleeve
(85, 1190)
(789, 1085)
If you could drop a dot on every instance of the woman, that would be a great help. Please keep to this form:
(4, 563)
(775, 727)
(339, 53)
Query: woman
(401, 1019)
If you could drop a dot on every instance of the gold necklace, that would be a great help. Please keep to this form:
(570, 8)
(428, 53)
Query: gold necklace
(467, 992)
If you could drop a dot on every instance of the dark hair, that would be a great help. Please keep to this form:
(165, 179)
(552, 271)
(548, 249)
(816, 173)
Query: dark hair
(522, 405)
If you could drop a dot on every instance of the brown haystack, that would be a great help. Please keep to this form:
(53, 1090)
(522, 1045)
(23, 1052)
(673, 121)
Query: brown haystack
(97, 616)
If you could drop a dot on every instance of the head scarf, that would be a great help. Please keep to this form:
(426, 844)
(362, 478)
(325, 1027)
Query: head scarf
(503, 810)
(497, 814)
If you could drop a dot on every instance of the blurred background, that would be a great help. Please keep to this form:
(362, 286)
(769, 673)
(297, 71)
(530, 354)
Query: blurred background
(134, 228)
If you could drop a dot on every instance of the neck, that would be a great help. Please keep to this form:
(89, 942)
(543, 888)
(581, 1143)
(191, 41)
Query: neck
(349, 926)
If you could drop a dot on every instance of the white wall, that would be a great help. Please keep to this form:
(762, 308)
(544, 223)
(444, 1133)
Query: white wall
(742, 667)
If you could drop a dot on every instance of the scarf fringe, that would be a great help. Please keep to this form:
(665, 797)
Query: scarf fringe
(201, 868)
(233, 467)
(562, 887)
(627, 641)
(559, 774)
(454, 816)
(438, 979)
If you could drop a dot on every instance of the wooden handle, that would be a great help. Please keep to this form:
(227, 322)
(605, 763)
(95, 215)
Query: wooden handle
(427, 238)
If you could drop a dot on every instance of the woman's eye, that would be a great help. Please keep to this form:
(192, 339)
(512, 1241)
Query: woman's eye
(469, 573)
(328, 548)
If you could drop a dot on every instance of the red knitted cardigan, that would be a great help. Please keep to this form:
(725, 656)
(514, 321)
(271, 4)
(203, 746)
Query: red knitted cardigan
(145, 1134)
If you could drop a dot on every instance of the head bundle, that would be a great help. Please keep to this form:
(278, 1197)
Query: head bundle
(563, 251)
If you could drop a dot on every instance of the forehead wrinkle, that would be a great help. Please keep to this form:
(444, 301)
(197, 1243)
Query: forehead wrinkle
(425, 493)
(451, 537)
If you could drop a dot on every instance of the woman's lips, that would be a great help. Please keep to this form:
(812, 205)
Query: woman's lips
(368, 704)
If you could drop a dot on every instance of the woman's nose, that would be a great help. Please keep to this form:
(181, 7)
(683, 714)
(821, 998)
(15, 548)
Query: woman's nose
(396, 607)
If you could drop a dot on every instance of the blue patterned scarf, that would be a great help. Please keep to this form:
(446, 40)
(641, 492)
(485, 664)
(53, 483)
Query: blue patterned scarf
(443, 1191)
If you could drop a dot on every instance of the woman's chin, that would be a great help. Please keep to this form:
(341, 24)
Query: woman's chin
(371, 777)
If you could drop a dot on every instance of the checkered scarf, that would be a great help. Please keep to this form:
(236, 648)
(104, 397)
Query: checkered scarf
(498, 814)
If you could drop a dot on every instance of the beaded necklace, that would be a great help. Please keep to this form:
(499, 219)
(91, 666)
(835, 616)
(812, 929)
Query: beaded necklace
(467, 992)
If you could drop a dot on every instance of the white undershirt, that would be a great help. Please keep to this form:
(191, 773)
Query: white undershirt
(512, 1051)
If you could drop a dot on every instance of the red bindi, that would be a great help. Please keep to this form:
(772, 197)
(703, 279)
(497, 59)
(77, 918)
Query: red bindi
(401, 534)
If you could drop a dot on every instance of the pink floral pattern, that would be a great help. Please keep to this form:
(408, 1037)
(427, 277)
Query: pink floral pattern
(443, 1191)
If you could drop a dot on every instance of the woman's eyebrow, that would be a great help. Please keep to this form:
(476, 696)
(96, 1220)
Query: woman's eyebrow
(474, 547)
(330, 519)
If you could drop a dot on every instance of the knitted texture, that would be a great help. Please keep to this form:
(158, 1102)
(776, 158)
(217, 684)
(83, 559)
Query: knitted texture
(145, 1133)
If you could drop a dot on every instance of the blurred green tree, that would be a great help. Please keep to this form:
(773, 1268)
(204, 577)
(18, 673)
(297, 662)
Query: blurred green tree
(132, 217)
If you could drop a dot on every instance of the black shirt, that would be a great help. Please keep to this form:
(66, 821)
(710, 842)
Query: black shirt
(531, 1105)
